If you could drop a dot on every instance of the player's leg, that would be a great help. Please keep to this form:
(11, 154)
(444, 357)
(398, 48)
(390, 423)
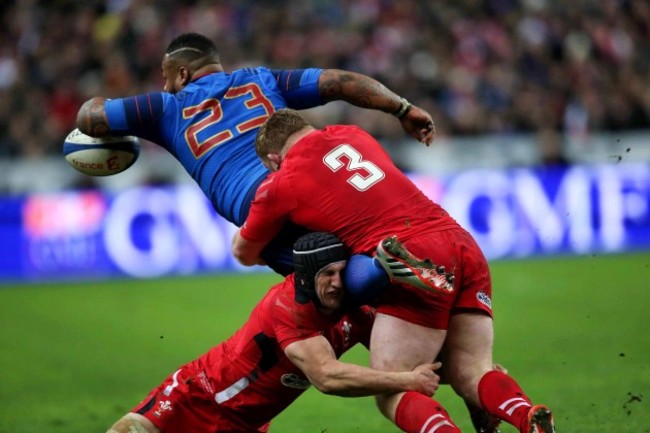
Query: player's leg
(403, 267)
(398, 345)
(180, 404)
(366, 277)
(133, 423)
(482, 421)
(468, 359)
(468, 353)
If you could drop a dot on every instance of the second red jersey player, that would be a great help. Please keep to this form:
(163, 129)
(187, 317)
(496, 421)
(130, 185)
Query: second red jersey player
(242, 383)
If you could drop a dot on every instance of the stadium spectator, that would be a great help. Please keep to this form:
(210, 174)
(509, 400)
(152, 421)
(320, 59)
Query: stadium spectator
(496, 66)
(340, 180)
(292, 340)
(207, 119)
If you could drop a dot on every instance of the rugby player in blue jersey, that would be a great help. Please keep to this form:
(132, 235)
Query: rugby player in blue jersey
(208, 119)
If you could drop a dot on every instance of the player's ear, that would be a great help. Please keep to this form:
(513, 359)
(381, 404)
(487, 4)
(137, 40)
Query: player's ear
(184, 76)
(274, 161)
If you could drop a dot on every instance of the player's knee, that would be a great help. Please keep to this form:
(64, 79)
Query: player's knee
(133, 423)
(465, 380)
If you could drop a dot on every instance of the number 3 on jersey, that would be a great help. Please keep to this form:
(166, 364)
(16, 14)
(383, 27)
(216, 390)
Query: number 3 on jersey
(373, 174)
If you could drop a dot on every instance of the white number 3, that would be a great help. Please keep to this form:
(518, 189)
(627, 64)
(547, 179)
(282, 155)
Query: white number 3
(359, 181)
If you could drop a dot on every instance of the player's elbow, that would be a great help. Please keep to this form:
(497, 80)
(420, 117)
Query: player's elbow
(325, 385)
(88, 110)
(244, 255)
(246, 252)
(325, 381)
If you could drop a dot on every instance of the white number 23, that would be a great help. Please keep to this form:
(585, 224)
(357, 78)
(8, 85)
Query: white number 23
(354, 163)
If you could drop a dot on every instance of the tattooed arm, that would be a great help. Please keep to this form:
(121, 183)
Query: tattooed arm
(366, 92)
(91, 118)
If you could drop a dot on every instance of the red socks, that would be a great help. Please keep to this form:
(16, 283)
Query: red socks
(417, 413)
(502, 397)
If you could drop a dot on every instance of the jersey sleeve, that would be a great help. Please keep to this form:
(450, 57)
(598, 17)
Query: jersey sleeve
(269, 210)
(136, 115)
(299, 87)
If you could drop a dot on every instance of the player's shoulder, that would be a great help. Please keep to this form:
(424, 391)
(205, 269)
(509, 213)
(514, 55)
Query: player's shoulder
(252, 71)
(287, 310)
(280, 299)
(269, 188)
(286, 79)
(260, 75)
(337, 131)
(272, 306)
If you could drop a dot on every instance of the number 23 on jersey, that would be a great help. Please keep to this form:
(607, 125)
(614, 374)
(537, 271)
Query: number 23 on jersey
(251, 97)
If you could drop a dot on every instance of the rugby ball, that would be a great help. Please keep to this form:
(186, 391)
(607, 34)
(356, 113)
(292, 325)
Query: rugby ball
(100, 156)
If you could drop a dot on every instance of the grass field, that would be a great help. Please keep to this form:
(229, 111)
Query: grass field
(575, 332)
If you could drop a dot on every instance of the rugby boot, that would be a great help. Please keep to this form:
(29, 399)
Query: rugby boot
(539, 420)
(405, 268)
(482, 421)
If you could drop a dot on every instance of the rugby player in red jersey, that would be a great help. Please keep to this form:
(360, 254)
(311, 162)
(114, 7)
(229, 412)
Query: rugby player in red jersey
(292, 340)
(340, 180)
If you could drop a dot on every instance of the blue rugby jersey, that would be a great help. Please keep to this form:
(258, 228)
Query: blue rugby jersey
(210, 127)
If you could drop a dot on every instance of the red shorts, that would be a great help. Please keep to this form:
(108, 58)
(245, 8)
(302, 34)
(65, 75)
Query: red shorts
(184, 403)
(458, 252)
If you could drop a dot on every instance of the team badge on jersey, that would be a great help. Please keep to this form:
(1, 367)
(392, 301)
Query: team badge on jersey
(163, 406)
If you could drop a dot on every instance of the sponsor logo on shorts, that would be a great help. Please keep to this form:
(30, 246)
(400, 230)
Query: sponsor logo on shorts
(292, 380)
(484, 299)
(163, 406)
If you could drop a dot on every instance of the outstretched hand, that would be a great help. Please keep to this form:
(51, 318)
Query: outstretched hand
(419, 124)
(426, 380)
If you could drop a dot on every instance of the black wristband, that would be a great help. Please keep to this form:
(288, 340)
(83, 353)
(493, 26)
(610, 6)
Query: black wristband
(404, 107)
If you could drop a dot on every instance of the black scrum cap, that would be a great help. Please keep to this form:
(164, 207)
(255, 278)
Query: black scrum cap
(311, 253)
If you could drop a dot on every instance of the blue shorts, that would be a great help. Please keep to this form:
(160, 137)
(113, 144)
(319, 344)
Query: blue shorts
(278, 254)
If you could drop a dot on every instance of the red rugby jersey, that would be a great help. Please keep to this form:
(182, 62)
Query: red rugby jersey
(252, 378)
(340, 180)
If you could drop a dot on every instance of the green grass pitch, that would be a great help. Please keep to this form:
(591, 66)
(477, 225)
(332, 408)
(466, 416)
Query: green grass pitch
(74, 357)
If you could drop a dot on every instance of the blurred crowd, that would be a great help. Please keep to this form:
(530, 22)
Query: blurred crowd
(479, 66)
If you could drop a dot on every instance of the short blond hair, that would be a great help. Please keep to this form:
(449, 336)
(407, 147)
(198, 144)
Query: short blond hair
(273, 135)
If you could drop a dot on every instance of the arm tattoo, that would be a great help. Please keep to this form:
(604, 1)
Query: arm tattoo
(91, 119)
(358, 90)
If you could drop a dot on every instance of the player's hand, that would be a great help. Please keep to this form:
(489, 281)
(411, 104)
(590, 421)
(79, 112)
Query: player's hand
(419, 125)
(426, 379)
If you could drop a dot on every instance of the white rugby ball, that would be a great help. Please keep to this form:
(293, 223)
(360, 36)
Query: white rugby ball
(101, 156)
